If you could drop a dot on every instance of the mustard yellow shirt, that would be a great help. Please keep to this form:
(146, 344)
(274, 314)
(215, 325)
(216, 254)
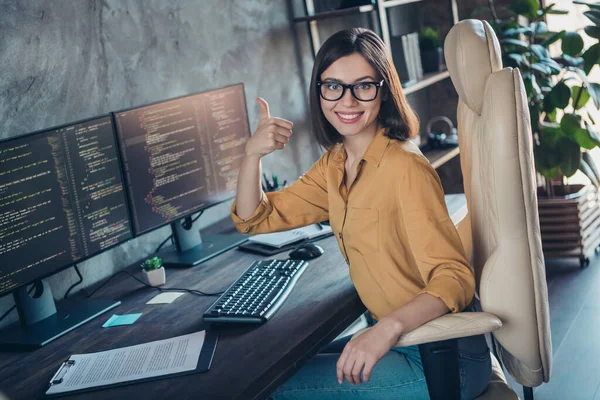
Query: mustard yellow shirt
(392, 227)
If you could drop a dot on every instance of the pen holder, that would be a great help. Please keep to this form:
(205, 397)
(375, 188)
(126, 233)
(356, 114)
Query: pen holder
(154, 272)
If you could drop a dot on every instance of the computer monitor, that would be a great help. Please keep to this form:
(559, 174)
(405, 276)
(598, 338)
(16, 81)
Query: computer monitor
(62, 200)
(180, 157)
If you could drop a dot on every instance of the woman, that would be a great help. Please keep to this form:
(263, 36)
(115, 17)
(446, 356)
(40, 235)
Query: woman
(386, 207)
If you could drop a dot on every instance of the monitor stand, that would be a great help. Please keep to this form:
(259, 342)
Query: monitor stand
(192, 248)
(39, 320)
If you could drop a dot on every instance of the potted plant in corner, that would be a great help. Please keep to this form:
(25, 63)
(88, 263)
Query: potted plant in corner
(558, 94)
(432, 55)
(154, 271)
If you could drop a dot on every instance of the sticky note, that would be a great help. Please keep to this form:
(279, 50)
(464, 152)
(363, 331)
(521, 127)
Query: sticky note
(126, 319)
(165, 298)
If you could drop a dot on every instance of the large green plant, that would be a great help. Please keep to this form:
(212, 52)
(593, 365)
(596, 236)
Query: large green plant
(561, 125)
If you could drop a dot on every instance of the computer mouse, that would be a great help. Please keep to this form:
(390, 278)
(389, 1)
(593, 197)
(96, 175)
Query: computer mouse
(307, 251)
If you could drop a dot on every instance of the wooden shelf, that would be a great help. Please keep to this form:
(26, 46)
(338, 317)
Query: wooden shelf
(338, 13)
(437, 158)
(428, 80)
(394, 3)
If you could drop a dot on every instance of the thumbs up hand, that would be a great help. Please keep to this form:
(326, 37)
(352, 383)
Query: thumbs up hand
(270, 135)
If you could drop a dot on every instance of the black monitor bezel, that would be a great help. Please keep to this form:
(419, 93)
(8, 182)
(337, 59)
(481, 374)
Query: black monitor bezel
(129, 197)
(132, 236)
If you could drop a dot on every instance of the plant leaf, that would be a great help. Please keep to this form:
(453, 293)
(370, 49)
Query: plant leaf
(552, 133)
(538, 28)
(594, 90)
(515, 31)
(586, 138)
(547, 158)
(585, 96)
(560, 95)
(555, 67)
(573, 61)
(590, 5)
(571, 157)
(540, 51)
(544, 69)
(515, 42)
(517, 57)
(528, 8)
(591, 57)
(553, 38)
(592, 31)
(572, 43)
(534, 119)
(593, 16)
(593, 135)
(558, 12)
(570, 123)
(591, 118)
(548, 105)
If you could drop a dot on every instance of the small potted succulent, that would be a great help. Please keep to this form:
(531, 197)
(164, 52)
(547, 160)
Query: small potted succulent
(154, 271)
(430, 44)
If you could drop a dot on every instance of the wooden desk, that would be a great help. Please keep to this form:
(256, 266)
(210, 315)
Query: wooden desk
(249, 362)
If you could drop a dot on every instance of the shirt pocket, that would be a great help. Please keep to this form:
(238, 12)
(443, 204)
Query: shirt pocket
(363, 230)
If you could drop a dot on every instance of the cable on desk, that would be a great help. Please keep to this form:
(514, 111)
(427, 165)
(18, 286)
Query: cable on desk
(170, 237)
(193, 291)
(76, 283)
(163, 243)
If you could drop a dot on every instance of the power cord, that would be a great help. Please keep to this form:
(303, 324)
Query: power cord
(192, 291)
(170, 237)
(75, 284)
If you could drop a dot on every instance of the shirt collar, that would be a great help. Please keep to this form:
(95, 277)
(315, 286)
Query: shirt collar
(374, 152)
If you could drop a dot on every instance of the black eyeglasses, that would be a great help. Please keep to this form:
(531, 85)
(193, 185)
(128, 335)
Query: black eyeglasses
(362, 91)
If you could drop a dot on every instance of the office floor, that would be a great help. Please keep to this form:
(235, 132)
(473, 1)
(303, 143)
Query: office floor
(574, 296)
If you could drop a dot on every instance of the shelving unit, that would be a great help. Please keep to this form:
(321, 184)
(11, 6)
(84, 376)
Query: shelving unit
(428, 80)
(437, 158)
(380, 11)
(337, 13)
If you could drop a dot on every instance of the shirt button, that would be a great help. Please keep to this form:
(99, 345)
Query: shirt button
(341, 235)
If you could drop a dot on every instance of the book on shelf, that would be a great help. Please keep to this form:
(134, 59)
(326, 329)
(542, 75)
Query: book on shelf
(402, 60)
(416, 55)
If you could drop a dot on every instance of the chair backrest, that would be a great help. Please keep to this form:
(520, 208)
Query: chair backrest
(498, 171)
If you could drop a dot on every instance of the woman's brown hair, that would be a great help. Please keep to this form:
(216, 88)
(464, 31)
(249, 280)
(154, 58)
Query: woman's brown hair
(395, 115)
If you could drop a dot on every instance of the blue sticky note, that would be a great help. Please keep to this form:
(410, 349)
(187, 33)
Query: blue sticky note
(117, 320)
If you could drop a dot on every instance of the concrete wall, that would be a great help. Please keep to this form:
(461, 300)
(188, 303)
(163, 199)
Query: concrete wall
(65, 60)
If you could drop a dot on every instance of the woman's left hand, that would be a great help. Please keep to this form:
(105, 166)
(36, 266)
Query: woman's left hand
(361, 354)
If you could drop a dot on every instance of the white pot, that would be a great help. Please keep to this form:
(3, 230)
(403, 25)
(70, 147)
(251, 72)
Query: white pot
(156, 277)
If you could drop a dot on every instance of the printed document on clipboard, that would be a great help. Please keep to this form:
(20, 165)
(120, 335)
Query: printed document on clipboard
(181, 355)
(280, 239)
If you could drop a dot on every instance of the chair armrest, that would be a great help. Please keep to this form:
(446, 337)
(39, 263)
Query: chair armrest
(448, 326)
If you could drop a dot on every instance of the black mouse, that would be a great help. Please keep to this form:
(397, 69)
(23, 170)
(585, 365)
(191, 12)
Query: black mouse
(307, 251)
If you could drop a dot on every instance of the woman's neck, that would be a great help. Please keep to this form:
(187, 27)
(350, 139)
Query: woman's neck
(356, 145)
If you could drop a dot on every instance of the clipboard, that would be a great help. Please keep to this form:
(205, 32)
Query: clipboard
(205, 358)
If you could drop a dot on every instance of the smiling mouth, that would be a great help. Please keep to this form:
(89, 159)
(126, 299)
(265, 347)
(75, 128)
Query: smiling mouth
(349, 118)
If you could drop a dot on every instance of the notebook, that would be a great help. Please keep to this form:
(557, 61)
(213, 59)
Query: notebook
(281, 239)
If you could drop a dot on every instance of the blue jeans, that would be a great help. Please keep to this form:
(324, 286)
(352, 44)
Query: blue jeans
(398, 375)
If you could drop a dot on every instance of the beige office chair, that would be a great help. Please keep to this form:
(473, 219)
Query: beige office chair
(501, 232)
